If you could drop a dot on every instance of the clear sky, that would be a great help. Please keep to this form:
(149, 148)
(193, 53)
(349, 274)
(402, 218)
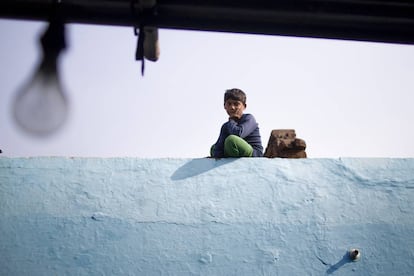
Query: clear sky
(344, 98)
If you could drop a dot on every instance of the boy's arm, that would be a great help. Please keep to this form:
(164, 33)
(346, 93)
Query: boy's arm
(218, 151)
(244, 127)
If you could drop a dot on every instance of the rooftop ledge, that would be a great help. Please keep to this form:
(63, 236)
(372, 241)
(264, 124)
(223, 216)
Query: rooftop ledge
(247, 216)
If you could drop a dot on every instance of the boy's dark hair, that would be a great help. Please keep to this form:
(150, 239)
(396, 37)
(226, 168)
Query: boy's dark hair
(235, 94)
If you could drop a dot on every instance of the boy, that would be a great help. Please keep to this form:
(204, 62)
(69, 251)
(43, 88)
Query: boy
(239, 136)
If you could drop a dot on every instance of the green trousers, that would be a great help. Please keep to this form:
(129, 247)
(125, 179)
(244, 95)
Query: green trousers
(234, 146)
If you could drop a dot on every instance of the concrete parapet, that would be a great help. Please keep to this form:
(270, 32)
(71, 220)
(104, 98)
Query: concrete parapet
(248, 216)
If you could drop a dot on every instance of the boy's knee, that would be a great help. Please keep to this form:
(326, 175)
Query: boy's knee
(235, 146)
(231, 139)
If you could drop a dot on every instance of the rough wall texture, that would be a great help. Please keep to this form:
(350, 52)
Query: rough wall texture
(257, 216)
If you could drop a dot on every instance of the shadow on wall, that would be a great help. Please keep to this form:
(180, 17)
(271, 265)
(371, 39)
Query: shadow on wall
(199, 166)
(332, 268)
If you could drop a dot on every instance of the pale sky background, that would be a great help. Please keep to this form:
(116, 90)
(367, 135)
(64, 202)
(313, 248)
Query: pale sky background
(344, 98)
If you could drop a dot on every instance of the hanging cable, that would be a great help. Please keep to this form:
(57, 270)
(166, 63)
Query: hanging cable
(138, 31)
(139, 53)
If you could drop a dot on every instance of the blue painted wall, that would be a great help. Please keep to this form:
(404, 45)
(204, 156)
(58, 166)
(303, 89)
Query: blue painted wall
(127, 216)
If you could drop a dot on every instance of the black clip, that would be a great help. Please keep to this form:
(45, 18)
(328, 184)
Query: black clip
(139, 54)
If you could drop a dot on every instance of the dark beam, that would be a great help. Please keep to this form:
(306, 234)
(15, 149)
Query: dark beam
(367, 20)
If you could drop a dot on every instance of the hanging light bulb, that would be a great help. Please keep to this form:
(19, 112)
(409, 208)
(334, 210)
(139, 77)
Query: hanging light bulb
(41, 106)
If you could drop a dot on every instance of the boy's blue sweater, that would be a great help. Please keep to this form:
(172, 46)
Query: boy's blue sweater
(246, 128)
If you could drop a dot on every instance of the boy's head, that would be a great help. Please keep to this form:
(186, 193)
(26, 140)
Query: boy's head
(235, 94)
(234, 102)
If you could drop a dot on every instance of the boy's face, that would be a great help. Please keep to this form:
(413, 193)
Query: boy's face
(234, 108)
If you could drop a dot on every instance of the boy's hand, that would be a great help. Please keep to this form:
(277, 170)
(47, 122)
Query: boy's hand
(235, 118)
